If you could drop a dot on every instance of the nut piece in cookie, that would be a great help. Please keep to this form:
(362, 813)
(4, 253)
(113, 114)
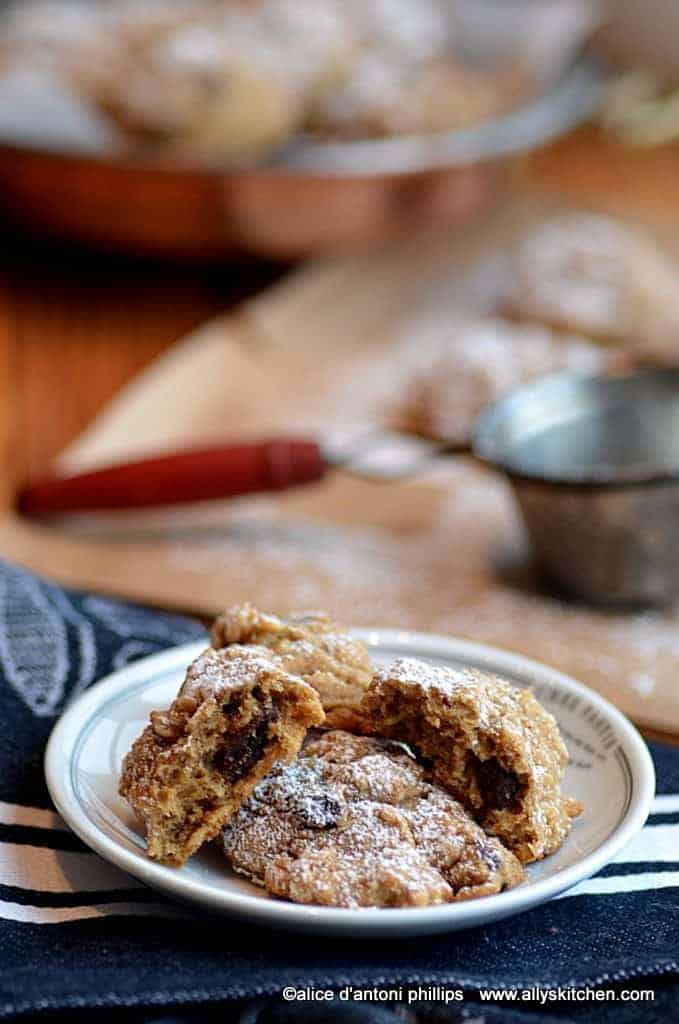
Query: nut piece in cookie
(354, 823)
(195, 764)
(310, 646)
(491, 745)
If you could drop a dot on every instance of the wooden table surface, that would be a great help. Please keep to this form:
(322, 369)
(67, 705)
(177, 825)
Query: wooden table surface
(75, 327)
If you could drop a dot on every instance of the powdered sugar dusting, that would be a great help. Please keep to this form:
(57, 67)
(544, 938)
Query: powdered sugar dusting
(414, 672)
(216, 672)
(353, 823)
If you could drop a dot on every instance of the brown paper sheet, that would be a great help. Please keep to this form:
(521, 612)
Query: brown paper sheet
(445, 552)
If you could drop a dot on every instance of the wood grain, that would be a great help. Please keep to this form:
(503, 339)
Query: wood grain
(591, 168)
(75, 327)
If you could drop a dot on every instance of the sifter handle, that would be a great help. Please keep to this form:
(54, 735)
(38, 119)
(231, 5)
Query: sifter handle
(198, 474)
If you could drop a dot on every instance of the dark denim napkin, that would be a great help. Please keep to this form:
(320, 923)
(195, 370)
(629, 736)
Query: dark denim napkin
(63, 947)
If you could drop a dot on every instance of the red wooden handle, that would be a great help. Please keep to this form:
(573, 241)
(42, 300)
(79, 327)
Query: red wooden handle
(193, 475)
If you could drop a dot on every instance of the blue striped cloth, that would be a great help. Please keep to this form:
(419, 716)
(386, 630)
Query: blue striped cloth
(76, 932)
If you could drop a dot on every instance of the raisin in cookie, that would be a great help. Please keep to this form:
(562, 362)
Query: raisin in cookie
(491, 745)
(310, 646)
(354, 823)
(195, 764)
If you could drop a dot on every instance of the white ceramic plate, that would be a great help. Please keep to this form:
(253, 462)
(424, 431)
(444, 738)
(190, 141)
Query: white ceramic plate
(610, 771)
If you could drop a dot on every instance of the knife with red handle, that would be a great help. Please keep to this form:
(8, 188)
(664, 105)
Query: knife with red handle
(197, 474)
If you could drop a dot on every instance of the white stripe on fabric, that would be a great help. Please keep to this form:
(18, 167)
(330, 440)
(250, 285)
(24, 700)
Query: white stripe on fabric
(654, 842)
(34, 817)
(615, 884)
(58, 915)
(665, 804)
(45, 870)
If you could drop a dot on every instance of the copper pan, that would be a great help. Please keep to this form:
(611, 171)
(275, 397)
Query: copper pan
(315, 197)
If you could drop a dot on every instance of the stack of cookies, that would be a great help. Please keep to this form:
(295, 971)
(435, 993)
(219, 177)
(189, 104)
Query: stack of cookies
(428, 784)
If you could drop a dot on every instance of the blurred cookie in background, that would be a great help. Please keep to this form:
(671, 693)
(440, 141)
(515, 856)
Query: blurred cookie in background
(596, 276)
(231, 79)
(465, 366)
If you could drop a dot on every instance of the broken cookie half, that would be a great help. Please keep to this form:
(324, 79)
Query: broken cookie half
(237, 713)
(311, 646)
(491, 745)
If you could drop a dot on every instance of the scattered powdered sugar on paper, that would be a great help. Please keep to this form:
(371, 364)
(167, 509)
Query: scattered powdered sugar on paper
(643, 684)
(355, 564)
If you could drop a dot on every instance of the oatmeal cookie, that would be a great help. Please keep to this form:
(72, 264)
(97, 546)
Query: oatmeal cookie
(381, 95)
(236, 714)
(223, 80)
(491, 745)
(462, 368)
(591, 274)
(308, 645)
(354, 823)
